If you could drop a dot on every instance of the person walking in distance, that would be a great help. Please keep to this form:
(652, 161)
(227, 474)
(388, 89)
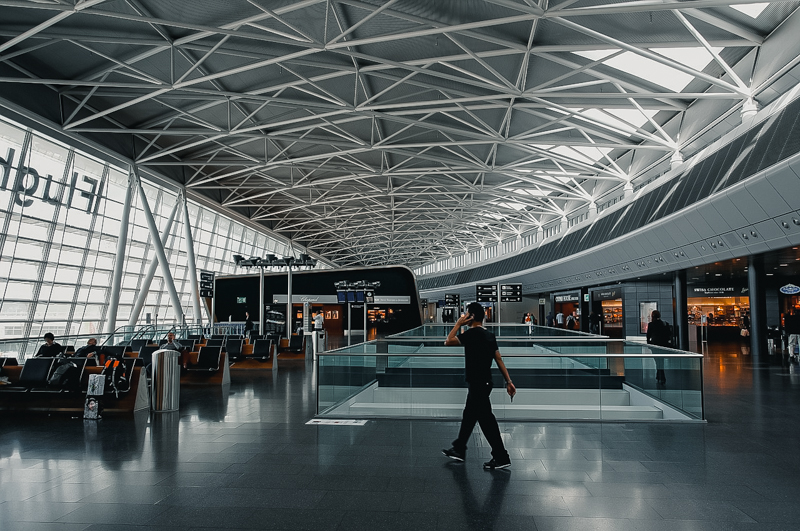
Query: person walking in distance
(480, 348)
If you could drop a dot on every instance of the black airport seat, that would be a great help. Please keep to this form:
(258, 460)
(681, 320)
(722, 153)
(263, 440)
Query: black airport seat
(215, 343)
(262, 349)
(137, 344)
(234, 349)
(35, 372)
(196, 337)
(208, 359)
(115, 351)
(217, 336)
(146, 355)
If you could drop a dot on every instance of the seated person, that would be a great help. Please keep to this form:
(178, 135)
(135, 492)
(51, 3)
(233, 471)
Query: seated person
(88, 350)
(50, 349)
(171, 344)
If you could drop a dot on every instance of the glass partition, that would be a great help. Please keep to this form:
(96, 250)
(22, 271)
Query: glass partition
(499, 330)
(568, 379)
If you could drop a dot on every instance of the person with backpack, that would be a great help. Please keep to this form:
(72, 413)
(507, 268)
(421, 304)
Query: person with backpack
(572, 321)
(658, 333)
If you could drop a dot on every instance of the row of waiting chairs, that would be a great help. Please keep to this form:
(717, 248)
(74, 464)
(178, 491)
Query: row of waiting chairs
(36, 373)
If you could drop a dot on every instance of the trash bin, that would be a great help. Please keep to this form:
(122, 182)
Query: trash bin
(318, 341)
(166, 382)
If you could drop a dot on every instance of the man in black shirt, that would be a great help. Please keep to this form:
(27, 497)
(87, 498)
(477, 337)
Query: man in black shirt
(88, 350)
(50, 349)
(480, 348)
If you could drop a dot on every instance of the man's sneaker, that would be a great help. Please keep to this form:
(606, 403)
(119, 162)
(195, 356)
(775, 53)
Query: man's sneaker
(452, 453)
(494, 464)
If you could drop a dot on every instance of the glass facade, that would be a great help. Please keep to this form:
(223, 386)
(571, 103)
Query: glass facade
(60, 211)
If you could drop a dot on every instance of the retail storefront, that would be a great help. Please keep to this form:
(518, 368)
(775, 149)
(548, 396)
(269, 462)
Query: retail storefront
(566, 303)
(717, 313)
(607, 302)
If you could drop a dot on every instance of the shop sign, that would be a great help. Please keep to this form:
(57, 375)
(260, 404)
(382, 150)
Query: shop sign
(28, 184)
(542, 302)
(790, 289)
(568, 297)
(607, 294)
(716, 291)
(392, 299)
(321, 299)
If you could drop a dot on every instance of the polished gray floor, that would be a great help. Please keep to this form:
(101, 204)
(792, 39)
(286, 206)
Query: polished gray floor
(246, 459)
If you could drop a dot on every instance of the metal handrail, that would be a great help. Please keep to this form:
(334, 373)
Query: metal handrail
(19, 347)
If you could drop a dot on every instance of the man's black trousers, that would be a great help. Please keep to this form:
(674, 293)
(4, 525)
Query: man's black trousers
(479, 409)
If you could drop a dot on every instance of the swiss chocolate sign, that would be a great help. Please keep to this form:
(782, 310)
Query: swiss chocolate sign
(718, 291)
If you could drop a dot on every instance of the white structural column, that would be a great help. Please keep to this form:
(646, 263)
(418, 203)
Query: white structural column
(192, 263)
(122, 241)
(289, 316)
(151, 272)
(262, 317)
(162, 256)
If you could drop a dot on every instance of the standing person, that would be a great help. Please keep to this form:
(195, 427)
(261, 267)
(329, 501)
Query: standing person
(594, 322)
(572, 321)
(50, 349)
(248, 324)
(550, 320)
(319, 321)
(560, 319)
(528, 320)
(791, 326)
(480, 348)
(658, 334)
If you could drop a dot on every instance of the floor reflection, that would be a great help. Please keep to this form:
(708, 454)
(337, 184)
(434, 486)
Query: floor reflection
(477, 514)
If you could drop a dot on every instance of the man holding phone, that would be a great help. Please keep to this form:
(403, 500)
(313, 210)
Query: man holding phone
(480, 348)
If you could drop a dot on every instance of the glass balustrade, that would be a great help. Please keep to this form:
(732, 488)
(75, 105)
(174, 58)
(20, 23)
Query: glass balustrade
(568, 378)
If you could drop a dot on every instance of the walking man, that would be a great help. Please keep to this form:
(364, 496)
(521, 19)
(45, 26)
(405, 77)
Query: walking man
(480, 348)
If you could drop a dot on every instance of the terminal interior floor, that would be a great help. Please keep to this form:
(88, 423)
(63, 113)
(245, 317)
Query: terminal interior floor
(245, 458)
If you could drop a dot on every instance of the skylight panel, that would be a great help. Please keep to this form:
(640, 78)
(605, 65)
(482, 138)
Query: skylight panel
(594, 153)
(571, 153)
(751, 10)
(531, 192)
(595, 55)
(661, 74)
(510, 204)
(628, 119)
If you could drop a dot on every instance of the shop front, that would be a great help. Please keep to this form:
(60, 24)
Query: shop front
(567, 303)
(717, 313)
(607, 303)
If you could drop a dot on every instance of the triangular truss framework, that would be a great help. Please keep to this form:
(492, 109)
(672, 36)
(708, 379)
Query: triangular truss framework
(397, 132)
